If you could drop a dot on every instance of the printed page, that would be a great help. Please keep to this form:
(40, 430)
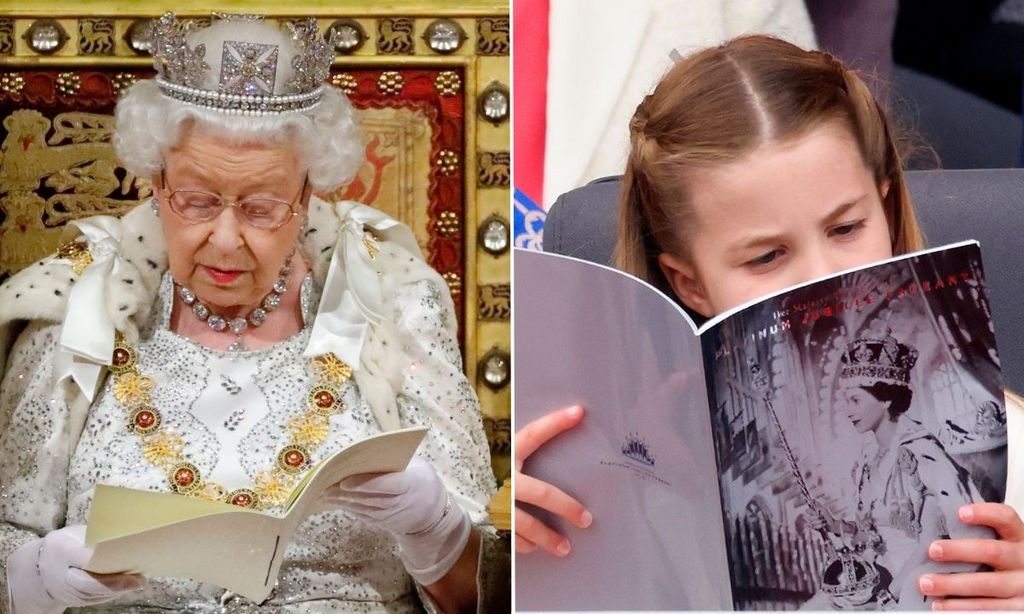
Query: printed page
(852, 417)
(163, 534)
(641, 460)
(382, 453)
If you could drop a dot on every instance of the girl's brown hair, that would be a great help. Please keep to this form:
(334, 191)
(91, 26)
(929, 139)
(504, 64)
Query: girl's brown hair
(720, 104)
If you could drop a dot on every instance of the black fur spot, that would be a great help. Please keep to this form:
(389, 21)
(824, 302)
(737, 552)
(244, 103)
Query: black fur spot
(152, 264)
(141, 239)
(128, 281)
(325, 250)
(46, 272)
(58, 293)
(18, 295)
(122, 308)
(31, 286)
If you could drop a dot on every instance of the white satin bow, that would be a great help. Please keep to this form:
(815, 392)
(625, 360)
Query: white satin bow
(352, 298)
(87, 333)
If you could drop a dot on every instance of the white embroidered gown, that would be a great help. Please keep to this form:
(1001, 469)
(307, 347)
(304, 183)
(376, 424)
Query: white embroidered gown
(232, 413)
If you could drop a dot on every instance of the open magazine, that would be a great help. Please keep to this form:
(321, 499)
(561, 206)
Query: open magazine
(799, 451)
(164, 534)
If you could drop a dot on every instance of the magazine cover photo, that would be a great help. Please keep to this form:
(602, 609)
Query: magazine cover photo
(852, 419)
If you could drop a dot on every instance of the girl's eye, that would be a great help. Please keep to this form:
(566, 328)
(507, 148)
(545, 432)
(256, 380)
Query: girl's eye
(845, 230)
(764, 259)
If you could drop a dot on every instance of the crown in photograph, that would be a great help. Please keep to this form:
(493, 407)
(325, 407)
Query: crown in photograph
(252, 74)
(867, 361)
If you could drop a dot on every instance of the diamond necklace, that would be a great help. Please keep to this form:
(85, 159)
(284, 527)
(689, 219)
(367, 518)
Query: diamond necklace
(239, 325)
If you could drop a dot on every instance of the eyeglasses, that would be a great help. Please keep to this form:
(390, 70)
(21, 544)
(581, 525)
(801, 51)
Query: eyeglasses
(197, 206)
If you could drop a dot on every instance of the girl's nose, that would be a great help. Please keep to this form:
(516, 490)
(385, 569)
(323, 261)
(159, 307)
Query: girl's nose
(817, 264)
(823, 258)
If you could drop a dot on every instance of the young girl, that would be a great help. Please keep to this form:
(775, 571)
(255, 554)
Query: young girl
(754, 166)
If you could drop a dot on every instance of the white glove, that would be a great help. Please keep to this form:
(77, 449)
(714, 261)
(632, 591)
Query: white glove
(44, 575)
(415, 507)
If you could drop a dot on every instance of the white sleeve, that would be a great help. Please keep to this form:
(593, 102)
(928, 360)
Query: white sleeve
(34, 442)
(436, 394)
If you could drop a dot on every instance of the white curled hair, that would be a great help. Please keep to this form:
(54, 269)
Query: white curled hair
(326, 137)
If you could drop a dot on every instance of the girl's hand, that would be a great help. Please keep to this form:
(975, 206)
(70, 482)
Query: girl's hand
(530, 532)
(999, 589)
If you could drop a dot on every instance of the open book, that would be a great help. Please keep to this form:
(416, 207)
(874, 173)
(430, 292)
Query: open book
(163, 534)
(799, 451)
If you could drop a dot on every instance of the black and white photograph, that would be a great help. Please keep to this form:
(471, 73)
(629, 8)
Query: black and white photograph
(852, 419)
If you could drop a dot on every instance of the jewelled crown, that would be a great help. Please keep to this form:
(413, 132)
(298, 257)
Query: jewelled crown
(253, 69)
(878, 360)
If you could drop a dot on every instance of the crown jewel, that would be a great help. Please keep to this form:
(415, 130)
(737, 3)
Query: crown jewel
(878, 360)
(173, 58)
(250, 79)
(312, 64)
(248, 68)
(850, 580)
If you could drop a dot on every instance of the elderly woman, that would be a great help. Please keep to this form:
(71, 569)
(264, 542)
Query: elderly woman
(187, 345)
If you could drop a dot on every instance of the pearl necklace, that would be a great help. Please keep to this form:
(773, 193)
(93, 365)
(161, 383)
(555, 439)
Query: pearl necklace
(239, 324)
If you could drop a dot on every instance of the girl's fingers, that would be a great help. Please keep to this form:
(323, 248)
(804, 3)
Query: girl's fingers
(537, 433)
(999, 516)
(1001, 584)
(996, 553)
(551, 498)
(524, 546)
(536, 532)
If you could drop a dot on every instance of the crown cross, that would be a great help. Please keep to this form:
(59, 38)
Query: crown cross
(248, 68)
